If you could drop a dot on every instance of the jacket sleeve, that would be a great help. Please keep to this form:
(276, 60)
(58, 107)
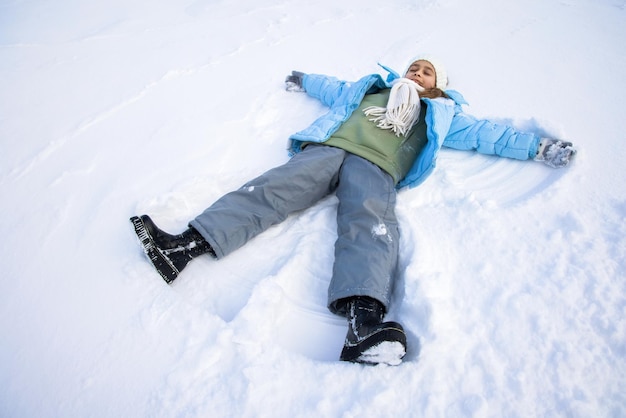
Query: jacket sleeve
(468, 133)
(324, 88)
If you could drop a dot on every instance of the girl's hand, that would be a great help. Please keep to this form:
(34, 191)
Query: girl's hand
(293, 82)
(554, 152)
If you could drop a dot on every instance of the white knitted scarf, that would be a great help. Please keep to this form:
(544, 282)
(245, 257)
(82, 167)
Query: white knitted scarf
(403, 107)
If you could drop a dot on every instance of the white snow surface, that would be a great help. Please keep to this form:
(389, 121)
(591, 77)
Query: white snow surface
(511, 286)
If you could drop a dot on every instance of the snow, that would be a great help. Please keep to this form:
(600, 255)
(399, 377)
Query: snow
(511, 286)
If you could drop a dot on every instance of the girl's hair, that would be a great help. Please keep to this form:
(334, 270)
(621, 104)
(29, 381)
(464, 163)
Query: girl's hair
(433, 93)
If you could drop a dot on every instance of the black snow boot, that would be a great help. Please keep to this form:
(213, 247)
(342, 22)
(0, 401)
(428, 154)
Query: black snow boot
(169, 253)
(369, 339)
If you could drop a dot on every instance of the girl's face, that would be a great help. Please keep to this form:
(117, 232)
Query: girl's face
(423, 73)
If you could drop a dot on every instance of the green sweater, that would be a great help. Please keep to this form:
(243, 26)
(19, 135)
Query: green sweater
(362, 137)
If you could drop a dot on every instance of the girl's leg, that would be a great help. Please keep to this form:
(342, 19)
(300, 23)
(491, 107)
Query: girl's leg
(267, 200)
(366, 251)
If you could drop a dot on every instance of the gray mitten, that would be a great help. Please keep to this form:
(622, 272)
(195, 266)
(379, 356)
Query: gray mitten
(554, 152)
(293, 82)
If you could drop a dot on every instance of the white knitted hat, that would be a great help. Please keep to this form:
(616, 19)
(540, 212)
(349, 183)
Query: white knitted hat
(440, 70)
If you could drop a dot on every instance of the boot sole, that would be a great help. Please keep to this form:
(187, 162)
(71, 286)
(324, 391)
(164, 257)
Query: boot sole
(160, 262)
(386, 346)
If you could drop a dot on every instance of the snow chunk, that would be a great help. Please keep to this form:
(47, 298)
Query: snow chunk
(387, 352)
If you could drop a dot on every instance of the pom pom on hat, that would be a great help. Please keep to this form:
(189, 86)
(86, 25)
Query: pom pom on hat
(440, 70)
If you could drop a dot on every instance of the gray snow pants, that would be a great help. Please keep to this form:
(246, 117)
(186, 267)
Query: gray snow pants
(366, 250)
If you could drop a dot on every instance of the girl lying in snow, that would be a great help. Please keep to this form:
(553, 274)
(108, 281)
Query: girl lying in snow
(378, 136)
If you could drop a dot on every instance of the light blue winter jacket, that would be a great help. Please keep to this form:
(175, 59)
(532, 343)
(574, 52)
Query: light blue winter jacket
(447, 124)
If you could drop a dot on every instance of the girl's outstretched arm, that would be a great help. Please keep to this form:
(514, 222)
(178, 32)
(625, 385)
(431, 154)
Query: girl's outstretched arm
(325, 88)
(468, 133)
